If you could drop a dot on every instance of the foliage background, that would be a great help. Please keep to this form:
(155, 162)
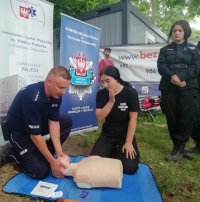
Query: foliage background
(161, 12)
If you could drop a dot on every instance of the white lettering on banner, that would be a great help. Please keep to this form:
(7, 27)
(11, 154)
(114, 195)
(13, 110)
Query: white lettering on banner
(74, 38)
(82, 109)
(81, 34)
(81, 41)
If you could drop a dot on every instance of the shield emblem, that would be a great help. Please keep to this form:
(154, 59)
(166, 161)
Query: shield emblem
(81, 65)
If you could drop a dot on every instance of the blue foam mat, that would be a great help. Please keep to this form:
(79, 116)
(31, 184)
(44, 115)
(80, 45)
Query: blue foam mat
(140, 187)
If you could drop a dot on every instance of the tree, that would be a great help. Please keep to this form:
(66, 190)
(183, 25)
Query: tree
(75, 7)
(164, 12)
(161, 12)
(195, 35)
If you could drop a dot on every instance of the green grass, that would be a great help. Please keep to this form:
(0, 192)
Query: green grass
(177, 181)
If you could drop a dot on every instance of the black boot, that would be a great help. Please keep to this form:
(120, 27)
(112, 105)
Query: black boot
(177, 152)
(195, 149)
(188, 154)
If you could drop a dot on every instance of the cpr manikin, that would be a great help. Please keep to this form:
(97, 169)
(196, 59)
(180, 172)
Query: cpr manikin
(96, 171)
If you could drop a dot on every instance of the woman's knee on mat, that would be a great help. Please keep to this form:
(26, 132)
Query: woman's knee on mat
(130, 168)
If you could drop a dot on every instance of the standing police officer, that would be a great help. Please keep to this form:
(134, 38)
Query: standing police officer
(34, 113)
(196, 131)
(178, 66)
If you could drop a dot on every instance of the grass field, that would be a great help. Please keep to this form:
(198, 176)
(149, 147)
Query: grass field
(178, 182)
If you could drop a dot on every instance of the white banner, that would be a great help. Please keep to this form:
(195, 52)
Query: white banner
(136, 63)
(26, 46)
(26, 38)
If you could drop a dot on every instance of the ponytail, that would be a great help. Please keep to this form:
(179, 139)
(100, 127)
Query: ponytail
(124, 83)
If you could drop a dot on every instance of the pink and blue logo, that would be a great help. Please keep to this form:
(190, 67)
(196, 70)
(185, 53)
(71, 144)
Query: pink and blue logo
(26, 12)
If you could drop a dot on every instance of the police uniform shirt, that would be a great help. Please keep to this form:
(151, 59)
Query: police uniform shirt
(126, 101)
(31, 110)
(180, 59)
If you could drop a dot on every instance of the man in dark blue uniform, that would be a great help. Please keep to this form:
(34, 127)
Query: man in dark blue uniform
(35, 113)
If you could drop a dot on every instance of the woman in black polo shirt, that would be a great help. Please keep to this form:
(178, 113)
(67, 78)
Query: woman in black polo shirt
(118, 104)
(178, 67)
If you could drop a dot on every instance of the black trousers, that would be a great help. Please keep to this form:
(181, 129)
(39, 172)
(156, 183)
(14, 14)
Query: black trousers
(180, 110)
(28, 157)
(196, 130)
(112, 148)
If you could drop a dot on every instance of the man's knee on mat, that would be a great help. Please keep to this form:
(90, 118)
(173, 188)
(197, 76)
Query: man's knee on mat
(38, 171)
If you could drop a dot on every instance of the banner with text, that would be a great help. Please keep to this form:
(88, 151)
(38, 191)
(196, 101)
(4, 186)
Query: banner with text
(26, 38)
(138, 65)
(26, 50)
(79, 52)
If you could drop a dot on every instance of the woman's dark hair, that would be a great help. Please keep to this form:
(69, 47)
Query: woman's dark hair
(186, 27)
(114, 73)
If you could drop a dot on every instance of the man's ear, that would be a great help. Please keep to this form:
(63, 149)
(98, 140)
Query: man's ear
(49, 81)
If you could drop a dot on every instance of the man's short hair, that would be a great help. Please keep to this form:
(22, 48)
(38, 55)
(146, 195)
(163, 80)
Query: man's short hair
(59, 71)
(107, 49)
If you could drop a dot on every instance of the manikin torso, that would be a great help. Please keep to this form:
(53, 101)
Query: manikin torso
(96, 171)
